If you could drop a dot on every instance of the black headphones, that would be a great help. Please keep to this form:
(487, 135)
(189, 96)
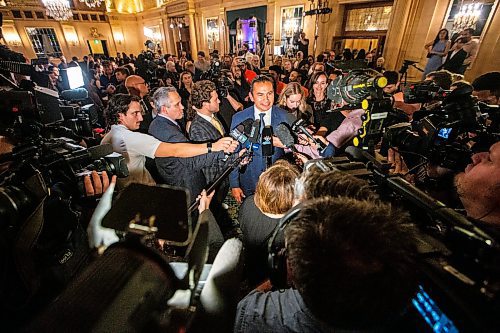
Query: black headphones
(277, 255)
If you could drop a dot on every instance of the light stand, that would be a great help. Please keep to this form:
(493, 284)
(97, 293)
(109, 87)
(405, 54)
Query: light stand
(320, 9)
(404, 69)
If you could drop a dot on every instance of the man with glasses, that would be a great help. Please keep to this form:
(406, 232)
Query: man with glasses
(137, 86)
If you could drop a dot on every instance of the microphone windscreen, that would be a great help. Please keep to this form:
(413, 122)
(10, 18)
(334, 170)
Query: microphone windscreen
(254, 131)
(267, 141)
(102, 150)
(285, 136)
(75, 94)
(247, 124)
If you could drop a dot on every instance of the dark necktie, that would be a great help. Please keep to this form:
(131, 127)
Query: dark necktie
(262, 124)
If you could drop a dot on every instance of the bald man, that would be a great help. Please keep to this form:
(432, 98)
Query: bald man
(137, 86)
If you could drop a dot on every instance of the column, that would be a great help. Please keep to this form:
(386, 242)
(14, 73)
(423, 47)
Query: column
(192, 35)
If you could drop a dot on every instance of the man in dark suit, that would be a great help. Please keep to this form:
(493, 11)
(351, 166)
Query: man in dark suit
(184, 172)
(456, 57)
(262, 94)
(207, 127)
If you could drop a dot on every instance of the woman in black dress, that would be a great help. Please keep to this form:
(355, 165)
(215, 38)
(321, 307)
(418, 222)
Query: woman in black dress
(324, 120)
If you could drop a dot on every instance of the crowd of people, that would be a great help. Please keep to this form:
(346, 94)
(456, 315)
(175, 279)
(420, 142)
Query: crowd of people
(350, 257)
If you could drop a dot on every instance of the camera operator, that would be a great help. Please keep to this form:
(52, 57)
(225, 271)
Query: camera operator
(478, 187)
(108, 81)
(53, 82)
(442, 78)
(124, 114)
(487, 88)
(338, 281)
(393, 89)
(230, 103)
(241, 86)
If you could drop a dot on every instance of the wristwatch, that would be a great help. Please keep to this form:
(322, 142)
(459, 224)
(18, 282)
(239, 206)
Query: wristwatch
(209, 147)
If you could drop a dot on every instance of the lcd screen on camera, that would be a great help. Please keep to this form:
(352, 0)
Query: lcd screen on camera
(445, 132)
(162, 207)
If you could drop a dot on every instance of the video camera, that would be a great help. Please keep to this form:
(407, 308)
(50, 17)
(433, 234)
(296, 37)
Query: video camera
(214, 74)
(444, 134)
(147, 66)
(424, 92)
(58, 160)
(363, 89)
(457, 258)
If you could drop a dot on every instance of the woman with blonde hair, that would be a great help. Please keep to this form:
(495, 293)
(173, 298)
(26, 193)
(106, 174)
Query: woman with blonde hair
(293, 100)
(260, 213)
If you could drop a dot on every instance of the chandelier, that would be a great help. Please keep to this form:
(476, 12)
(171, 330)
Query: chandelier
(467, 16)
(59, 10)
(92, 3)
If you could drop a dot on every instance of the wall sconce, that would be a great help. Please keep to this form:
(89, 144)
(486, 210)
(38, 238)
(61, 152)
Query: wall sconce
(70, 35)
(11, 36)
(72, 39)
(118, 37)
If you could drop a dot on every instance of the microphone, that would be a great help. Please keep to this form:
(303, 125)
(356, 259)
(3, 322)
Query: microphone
(298, 126)
(267, 144)
(75, 94)
(239, 134)
(252, 128)
(101, 150)
(285, 135)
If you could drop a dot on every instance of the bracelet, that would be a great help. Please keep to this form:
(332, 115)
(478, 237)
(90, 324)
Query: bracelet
(209, 147)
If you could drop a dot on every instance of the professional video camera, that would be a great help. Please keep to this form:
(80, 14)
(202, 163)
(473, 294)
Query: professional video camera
(364, 89)
(58, 160)
(26, 103)
(458, 259)
(444, 134)
(215, 75)
(147, 65)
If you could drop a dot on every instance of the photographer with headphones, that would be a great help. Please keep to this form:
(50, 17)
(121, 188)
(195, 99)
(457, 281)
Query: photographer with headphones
(347, 264)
